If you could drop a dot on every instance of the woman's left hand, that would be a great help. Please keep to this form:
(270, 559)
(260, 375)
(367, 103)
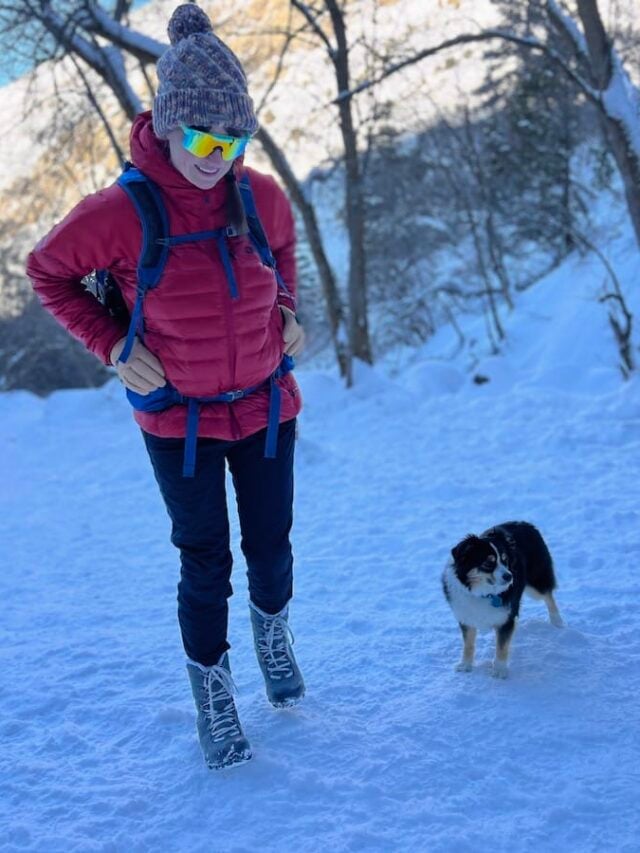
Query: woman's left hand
(292, 334)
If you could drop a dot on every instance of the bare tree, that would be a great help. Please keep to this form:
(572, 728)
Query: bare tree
(335, 311)
(467, 185)
(101, 41)
(593, 64)
(337, 48)
(617, 98)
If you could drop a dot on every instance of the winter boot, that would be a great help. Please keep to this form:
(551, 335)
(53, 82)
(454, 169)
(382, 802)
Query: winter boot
(273, 640)
(221, 738)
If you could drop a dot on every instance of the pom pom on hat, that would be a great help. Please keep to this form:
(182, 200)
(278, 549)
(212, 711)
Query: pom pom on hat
(187, 20)
(201, 80)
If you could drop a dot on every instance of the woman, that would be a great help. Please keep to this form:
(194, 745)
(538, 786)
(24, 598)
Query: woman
(217, 322)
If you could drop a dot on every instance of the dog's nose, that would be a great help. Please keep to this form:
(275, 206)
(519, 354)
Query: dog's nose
(507, 577)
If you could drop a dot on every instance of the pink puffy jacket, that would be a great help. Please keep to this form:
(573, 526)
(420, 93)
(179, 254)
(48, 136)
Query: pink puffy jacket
(207, 342)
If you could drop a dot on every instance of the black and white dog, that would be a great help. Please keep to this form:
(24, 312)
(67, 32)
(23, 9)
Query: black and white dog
(484, 582)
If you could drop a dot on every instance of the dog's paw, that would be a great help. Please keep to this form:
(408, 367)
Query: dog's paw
(557, 620)
(500, 669)
(464, 666)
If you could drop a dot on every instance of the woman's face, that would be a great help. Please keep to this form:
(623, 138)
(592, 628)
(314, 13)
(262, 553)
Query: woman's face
(202, 172)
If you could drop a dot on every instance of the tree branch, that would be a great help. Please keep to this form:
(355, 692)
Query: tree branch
(121, 10)
(146, 49)
(466, 38)
(289, 37)
(107, 62)
(306, 12)
(94, 102)
(569, 28)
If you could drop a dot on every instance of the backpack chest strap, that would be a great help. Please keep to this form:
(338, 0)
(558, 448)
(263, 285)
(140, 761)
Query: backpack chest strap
(220, 236)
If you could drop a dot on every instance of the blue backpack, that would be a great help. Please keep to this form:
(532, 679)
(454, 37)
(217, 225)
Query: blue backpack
(154, 253)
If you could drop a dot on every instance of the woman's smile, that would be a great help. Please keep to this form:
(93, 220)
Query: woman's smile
(208, 170)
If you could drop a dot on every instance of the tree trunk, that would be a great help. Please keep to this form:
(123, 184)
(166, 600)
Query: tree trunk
(602, 66)
(335, 311)
(629, 166)
(358, 322)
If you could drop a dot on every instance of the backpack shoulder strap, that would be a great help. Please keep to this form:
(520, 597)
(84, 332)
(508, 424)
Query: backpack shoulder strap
(147, 201)
(256, 231)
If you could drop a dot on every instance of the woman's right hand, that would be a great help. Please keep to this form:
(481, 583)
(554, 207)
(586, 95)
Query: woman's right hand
(142, 372)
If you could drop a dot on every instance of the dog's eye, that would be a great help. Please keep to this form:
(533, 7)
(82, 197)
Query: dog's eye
(503, 557)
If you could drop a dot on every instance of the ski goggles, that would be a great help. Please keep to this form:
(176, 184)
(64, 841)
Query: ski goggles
(201, 144)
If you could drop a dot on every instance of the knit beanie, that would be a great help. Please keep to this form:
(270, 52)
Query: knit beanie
(201, 80)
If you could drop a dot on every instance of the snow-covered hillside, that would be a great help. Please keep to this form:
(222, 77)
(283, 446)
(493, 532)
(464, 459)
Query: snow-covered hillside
(391, 750)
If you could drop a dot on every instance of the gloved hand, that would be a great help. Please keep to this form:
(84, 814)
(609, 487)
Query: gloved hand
(292, 334)
(142, 372)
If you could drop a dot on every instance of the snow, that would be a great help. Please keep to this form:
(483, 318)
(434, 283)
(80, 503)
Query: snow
(621, 101)
(570, 25)
(391, 750)
(113, 59)
(124, 35)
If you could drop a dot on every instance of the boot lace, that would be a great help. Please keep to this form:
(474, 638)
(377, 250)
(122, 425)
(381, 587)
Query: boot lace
(219, 688)
(273, 645)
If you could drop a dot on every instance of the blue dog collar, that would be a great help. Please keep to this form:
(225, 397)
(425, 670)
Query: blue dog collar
(495, 600)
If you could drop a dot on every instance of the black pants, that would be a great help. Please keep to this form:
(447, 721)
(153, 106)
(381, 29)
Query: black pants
(200, 529)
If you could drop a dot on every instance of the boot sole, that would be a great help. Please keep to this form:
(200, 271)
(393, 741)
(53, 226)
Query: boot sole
(288, 703)
(231, 761)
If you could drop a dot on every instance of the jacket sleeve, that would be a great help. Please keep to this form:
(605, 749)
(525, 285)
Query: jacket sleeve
(281, 232)
(88, 238)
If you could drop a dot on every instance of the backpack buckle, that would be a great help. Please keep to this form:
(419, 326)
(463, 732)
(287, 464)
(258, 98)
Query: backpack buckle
(235, 395)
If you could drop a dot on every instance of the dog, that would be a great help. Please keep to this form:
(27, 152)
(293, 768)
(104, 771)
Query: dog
(484, 581)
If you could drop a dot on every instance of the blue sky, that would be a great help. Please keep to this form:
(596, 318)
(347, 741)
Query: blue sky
(12, 67)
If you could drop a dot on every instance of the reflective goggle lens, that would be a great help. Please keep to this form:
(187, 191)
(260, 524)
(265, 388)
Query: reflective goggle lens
(201, 144)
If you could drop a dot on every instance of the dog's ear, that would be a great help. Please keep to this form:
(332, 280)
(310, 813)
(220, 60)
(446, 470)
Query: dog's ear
(458, 551)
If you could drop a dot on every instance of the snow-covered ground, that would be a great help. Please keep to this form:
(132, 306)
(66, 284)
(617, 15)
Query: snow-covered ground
(391, 750)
